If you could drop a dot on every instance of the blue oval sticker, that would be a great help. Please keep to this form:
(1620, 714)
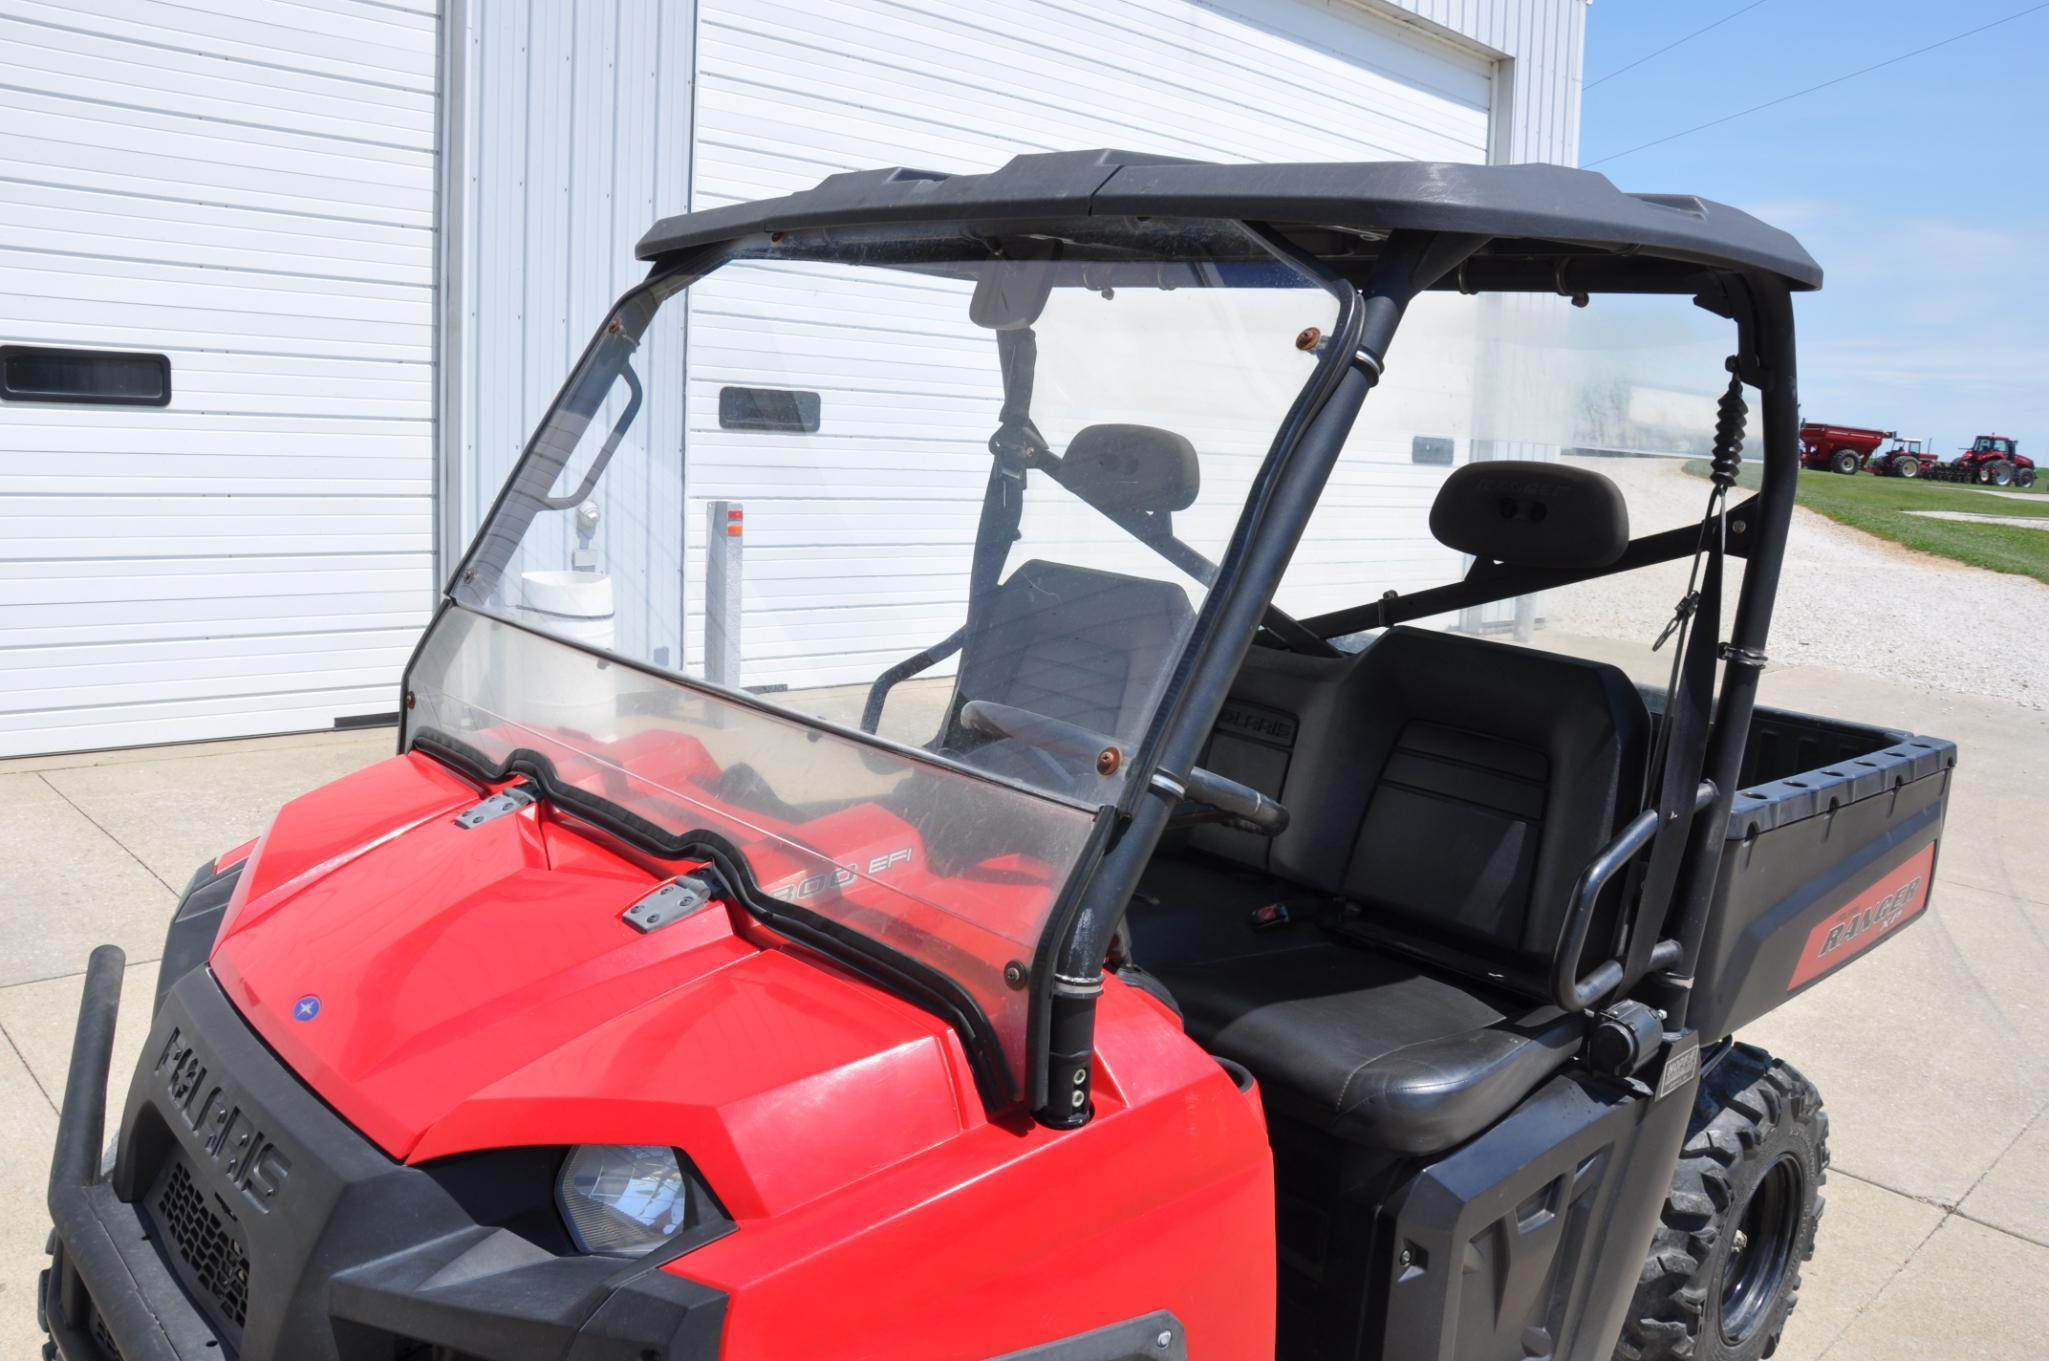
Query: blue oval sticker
(306, 1008)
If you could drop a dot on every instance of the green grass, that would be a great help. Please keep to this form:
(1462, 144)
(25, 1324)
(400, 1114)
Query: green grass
(1878, 505)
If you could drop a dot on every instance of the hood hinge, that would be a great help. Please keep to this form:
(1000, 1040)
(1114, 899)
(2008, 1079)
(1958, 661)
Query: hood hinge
(510, 799)
(681, 897)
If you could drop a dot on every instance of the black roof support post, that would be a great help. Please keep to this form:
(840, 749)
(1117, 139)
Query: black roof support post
(1767, 362)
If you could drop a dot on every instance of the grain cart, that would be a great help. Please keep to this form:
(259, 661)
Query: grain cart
(1050, 944)
(1838, 448)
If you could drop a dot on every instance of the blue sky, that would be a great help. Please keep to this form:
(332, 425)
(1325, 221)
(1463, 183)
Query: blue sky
(1923, 189)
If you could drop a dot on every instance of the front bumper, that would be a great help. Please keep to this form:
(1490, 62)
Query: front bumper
(243, 1217)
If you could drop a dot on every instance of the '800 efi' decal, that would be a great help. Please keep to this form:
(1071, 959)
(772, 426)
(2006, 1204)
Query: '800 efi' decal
(1868, 918)
(839, 876)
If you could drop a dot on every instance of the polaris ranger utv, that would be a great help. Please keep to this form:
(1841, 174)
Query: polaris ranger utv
(1103, 917)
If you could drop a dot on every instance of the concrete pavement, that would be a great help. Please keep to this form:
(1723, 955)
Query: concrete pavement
(97, 847)
(1933, 1054)
(1933, 1058)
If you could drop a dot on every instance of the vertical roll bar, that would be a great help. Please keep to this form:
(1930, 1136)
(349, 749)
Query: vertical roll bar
(1774, 373)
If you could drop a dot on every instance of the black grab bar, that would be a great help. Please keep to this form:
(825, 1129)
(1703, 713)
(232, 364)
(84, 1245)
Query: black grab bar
(1571, 990)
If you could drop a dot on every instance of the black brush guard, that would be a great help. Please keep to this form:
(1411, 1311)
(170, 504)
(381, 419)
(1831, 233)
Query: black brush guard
(351, 1256)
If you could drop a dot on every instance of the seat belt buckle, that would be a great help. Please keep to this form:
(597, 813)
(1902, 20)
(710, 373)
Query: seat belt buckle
(1270, 917)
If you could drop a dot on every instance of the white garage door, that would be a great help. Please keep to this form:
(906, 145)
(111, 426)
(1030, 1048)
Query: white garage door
(792, 91)
(247, 188)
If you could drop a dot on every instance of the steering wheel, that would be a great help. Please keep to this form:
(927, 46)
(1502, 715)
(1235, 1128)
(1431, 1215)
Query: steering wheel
(1240, 805)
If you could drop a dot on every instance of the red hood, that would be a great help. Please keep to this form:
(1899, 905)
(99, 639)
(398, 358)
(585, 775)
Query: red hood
(476, 988)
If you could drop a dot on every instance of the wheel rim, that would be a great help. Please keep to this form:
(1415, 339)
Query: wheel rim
(1755, 1271)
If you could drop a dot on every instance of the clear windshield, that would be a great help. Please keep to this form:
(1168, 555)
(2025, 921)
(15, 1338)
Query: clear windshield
(781, 481)
(950, 871)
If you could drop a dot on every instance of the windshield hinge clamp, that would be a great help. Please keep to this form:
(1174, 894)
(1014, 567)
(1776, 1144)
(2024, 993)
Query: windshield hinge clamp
(1742, 656)
(684, 896)
(510, 799)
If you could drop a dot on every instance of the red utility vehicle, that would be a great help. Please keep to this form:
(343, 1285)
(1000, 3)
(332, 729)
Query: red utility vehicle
(1992, 461)
(1190, 956)
(1838, 448)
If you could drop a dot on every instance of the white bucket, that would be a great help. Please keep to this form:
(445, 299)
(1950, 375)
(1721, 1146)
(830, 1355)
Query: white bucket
(573, 605)
(561, 687)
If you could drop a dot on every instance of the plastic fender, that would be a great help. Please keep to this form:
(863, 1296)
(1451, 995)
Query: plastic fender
(1013, 1235)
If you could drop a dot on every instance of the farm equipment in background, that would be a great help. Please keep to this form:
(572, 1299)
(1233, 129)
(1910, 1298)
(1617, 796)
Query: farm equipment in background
(1992, 460)
(1838, 448)
(1906, 458)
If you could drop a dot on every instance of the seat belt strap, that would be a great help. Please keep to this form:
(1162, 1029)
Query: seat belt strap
(1016, 443)
(1013, 448)
(1682, 753)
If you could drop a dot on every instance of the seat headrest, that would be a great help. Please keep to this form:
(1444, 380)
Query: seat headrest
(1132, 469)
(1531, 514)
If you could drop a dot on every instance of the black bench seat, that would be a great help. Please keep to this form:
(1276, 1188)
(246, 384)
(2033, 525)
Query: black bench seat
(1445, 792)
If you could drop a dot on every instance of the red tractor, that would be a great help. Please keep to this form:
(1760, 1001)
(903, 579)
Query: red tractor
(1906, 458)
(1838, 448)
(1992, 460)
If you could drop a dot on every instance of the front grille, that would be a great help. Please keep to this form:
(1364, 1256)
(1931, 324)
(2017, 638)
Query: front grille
(207, 1242)
(103, 1339)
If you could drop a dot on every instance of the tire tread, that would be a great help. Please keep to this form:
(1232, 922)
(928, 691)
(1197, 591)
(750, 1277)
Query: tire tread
(1738, 1110)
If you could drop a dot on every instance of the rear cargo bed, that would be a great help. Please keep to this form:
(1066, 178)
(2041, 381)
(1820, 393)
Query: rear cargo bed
(1832, 844)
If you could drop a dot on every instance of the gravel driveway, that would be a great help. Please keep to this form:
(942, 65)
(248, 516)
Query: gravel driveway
(1847, 601)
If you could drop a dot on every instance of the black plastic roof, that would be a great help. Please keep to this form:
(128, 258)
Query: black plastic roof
(1544, 202)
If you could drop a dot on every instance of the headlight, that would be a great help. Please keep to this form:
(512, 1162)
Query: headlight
(624, 1199)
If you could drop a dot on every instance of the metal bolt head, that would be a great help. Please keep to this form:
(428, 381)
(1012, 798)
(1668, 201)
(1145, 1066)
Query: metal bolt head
(1308, 338)
(1015, 974)
(1164, 1341)
(1107, 761)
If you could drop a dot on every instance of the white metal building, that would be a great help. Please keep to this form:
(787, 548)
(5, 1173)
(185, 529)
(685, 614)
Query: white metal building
(371, 235)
